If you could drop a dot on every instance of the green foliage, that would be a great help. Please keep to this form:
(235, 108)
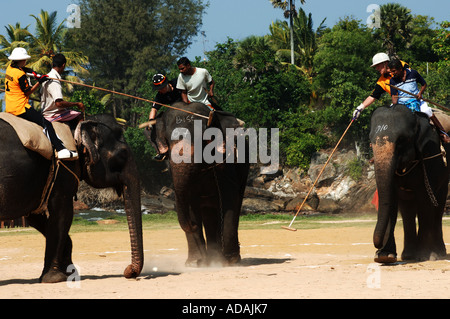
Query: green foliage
(420, 48)
(125, 39)
(354, 169)
(396, 27)
(91, 102)
(347, 47)
(305, 41)
(263, 102)
(138, 144)
(441, 46)
(438, 81)
(149, 171)
(302, 134)
(311, 102)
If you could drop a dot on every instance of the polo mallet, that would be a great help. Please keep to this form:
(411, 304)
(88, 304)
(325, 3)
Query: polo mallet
(414, 95)
(317, 178)
(117, 93)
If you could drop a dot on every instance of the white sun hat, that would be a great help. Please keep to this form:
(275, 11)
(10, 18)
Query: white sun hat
(19, 54)
(379, 58)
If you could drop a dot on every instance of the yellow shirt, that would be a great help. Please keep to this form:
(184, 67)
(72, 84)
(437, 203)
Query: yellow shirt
(382, 83)
(16, 85)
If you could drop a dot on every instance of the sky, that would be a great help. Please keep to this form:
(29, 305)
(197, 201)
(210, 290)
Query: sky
(236, 19)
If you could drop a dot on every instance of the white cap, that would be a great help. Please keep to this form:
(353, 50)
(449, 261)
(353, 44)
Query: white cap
(379, 58)
(19, 54)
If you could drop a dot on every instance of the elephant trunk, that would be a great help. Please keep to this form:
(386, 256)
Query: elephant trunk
(132, 198)
(385, 164)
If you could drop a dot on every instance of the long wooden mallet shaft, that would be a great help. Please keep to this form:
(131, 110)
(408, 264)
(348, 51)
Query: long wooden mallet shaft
(414, 95)
(126, 95)
(317, 178)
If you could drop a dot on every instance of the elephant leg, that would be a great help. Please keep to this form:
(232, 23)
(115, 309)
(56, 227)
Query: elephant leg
(212, 222)
(193, 229)
(58, 251)
(196, 249)
(431, 244)
(438, 239)
(409, 212)
(388, 253)
(231, 249)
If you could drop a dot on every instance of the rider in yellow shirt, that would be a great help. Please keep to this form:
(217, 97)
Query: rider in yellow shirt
(380, 62)
(17, 93)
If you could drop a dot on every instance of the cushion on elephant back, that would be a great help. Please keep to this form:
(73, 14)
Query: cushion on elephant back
(443, 118)
(33, 138)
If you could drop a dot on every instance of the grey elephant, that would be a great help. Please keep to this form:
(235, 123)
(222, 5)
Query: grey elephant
(412, 175)
(105, 161)
(208, 194)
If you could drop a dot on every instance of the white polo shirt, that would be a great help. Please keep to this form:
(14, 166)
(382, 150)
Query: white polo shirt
(51, 91)
(196, 85)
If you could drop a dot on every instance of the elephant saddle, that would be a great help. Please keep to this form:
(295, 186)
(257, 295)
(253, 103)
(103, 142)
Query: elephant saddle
(33, 138)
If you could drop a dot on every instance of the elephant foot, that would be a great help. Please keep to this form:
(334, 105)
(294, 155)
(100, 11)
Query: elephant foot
(54, 275)
(232, 260)
(433, 256)
(385, 258)
(409, 256)
(194, 263)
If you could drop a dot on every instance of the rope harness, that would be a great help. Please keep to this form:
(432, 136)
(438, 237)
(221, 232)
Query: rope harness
(428, 188)
(51, 179)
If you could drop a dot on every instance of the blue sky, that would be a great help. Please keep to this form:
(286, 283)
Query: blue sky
(236, 19)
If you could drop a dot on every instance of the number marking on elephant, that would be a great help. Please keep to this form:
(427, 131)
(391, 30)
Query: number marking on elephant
(184, 119)
(381, 128)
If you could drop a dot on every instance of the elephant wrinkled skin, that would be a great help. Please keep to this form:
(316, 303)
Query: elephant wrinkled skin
(207, 196)
(105, 161)
(412, 176)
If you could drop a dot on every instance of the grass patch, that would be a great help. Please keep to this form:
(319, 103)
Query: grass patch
(149, 221)
(249, 221)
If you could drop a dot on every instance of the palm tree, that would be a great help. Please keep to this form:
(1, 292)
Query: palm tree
(16, 37)
(396, 26)
(282, 4)
(253, 57)
(49, 40)
(288, 14)
(305, 41)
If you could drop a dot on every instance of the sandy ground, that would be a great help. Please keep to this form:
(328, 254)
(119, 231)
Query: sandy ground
(277, 264)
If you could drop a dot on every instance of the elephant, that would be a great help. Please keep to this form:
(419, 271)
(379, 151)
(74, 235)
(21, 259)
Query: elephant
(412, 175)
(207, 195)
(105, 160)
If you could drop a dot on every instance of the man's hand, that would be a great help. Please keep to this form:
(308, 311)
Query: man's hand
(357, 112)
(81, 106)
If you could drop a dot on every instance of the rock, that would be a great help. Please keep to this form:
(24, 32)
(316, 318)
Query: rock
(107, 221)
(311, 203)
(167, 192)
(326, 178)
(157, 203)
(258, 181)
(258, 192)
(258, 205)
(77, 205)
(329, 206)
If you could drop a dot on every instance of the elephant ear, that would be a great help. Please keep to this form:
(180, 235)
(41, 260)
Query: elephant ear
(162, 141)
(227, 120)
(86, 136)
(424, 132)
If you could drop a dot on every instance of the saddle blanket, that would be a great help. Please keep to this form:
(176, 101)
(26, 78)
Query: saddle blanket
(33, 138)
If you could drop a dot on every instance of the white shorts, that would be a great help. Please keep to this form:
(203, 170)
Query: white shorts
(424, 108)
